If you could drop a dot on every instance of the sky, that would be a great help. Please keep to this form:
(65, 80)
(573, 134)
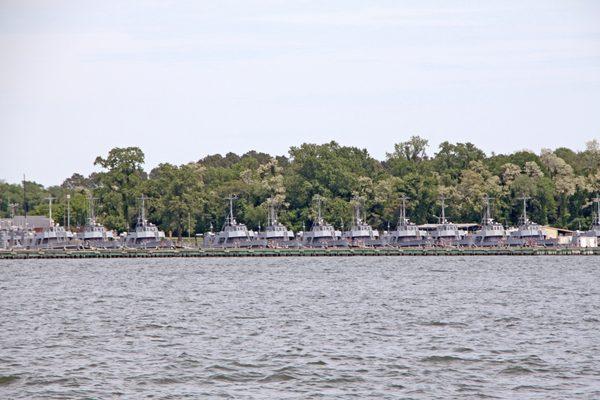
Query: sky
(184, 79)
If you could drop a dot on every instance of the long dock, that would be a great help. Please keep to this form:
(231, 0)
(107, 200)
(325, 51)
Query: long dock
(203, 253)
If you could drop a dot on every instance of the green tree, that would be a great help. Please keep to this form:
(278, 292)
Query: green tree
(120, 186)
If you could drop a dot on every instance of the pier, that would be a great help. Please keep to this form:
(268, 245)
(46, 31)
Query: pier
(342, 252)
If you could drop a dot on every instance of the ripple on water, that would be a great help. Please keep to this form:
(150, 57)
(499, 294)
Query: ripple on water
(357, 327)
(516, 370)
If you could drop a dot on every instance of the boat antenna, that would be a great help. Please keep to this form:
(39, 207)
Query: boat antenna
(524, 216)
(50, 198)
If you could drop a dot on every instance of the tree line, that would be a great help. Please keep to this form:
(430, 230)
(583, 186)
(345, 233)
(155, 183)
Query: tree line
(561, 184)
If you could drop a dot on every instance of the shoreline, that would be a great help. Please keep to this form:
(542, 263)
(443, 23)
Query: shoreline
(217, 253)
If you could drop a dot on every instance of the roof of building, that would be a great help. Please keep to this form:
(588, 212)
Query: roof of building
(32, 221)
(430, 227)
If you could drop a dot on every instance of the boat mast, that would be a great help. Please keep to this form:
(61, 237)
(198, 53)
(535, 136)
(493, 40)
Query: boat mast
(231, 198)
(357, 218)
(272, 215)
(597, 201)
(142, 215)
(319, 219)
(443, 199)
(487, 218)
(403, 220)
(91, 212)
(524, 216)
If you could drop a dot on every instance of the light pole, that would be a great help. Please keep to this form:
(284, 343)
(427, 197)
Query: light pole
(68, 212)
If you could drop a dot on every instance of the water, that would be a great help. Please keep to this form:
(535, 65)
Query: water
(301, 328)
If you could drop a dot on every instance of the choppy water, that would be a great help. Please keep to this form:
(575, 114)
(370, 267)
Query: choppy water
(278, 328)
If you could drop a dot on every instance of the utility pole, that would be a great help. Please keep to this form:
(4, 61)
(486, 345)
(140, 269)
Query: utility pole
(25, 201)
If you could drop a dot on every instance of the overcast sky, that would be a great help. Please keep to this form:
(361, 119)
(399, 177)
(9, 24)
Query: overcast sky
(185, 79)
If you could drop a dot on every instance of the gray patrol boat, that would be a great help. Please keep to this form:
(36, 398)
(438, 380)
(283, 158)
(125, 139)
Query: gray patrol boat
(54, 236)
(360, 233)
(146, 234)
(233, 233)
(491, 233)
(406, 234)
(95, 234)
(446, 233)
(322, 234)
(529, 233)
(276, 234)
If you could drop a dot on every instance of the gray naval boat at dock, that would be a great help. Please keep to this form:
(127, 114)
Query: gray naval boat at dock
(406, 234)
(146, 235)
(529, 233)
(276, 234)
(446, 233)
(595, 230)
(360, 233)
(492, 233)
(54, 236)
(322, 233)
(233, 234)
(94, 234)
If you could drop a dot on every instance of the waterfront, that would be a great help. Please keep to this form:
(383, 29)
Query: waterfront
(385, 327)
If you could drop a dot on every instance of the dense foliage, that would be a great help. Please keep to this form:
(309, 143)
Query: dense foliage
(190, 197)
